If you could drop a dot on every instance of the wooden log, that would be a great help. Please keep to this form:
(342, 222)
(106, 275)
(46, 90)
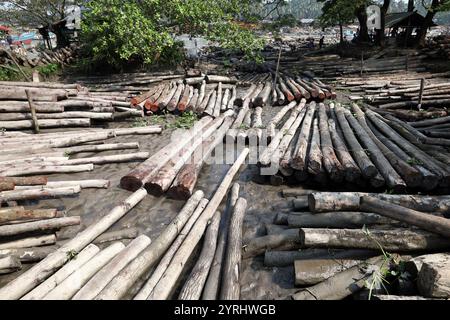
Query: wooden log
(313, 271)
(410, 175)
(405, 145)
(257, 246)
(29, 242)
(193, 101)
(157, 273)
(161, 181)
(330, 160)
(173, 102)
(366, 166)
(101, 147)
(402, 240)
(293, 88)
(109, 271)
(286, 92)
(69, 268)
(216, 78)
(271, 127)
(6, 185)
(287, 258)
(13, 106)
(164, 288)
(46, 123)
(123, 281)
(74, 282)
(193, 287)
(422, 220)
(340, 219)
(342, 284)
(209, 110)
(349, 201)
(38, 273)
(166, 97)
(201, 95)
(128, 233)
(19, 94)
(392, 178)
(185, 97)
(186, 179)
(315, 167)
(225, 99)
(434, 280)
(274, 151)
(218, 105)
(241, 138)
(212, 285)
(20, 213)
(352, 171)
(25, 181)
(138, 176)
(299, 161)
(38, 194)
(9, 264)
(42, 225)
(194, 80)
(230, 288)
(33, 111)
(264, 96)
(232, 99)
(34, 170)
(64, 115)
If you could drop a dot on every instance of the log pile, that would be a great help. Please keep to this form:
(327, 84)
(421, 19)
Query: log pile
(332, 238)
(329, 143)
(111, 272)
(30, 105)
(175, 168)
(204, 95)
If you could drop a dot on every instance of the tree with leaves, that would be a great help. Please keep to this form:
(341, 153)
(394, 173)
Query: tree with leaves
(433, 8)
(35, 13)
(117, 31)
(337, 12)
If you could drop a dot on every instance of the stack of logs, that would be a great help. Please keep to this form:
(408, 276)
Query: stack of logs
(210, 95)
(62, 56)
(114, 272)
(338, 233)
(322, 143)
(35, 105)
(27, 154)
(438, 47)
(175, 168)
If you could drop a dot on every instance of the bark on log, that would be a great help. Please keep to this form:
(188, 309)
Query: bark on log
(434, 278)
(366, 166)
(349, 201)
(337, 220)
(396, 240)
(193, 287)
(212, 285)
(187, 177)
(38, 273)
(34, 170)
(164, 288)
(230, 288)
(120, 285)
(69, 268)
(299, 161)
(137, 177)
(109, 271)
(257, 246)
(313, 271)
(29, 242)
(43, 225)
(46, 123)
(342, 284)
(25, 181)
(129, 233)
(422, 220)
(287, 258)
(74, 282)
(172, 105)
(315, 167)
(9, 264)
(20, 213)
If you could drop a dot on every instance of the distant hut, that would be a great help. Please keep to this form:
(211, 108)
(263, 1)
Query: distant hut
(402, 24)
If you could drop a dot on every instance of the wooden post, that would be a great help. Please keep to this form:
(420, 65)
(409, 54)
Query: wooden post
(422, 87)
(362, 63)
(33, 111)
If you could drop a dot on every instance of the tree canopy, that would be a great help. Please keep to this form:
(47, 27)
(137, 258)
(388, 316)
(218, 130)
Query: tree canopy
(117, 30)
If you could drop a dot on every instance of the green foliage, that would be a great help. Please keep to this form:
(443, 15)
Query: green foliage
(49, 69)
(72, 255)
(186, 121)
(6, 74)
(117, 31)
(339, 12)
